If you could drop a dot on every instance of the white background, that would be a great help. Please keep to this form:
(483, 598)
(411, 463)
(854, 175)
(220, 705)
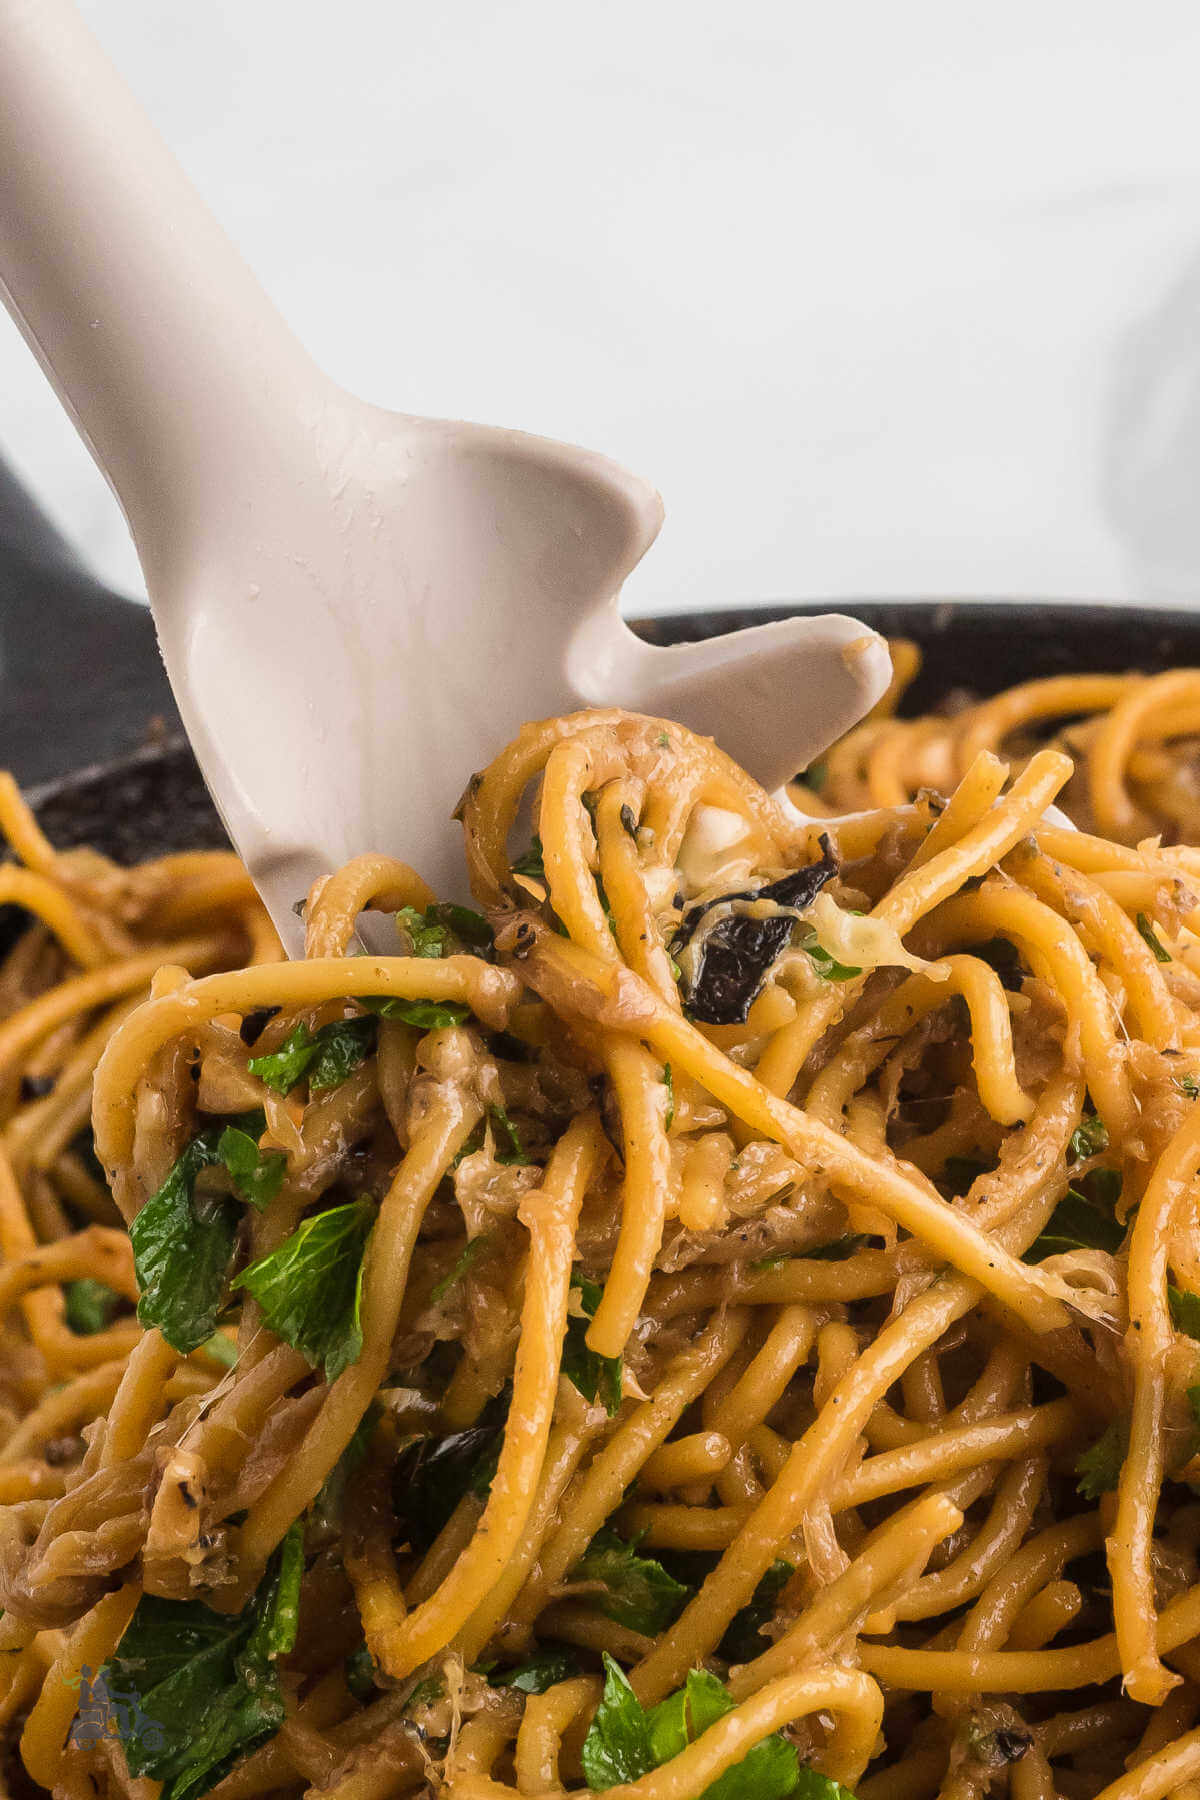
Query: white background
(886, 298)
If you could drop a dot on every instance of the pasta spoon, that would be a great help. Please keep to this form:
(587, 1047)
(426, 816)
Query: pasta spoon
(356, 607)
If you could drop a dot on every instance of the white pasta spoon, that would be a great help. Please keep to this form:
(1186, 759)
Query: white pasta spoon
(356, 607)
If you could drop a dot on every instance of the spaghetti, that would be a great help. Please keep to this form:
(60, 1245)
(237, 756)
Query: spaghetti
(720, 1321)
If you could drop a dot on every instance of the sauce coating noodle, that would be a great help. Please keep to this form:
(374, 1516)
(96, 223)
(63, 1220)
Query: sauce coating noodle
(722, 1319)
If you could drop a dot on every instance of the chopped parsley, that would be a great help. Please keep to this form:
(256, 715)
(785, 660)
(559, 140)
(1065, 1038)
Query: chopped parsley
(432, 1474)
(222, 1349)
(310, 1287)
(1185, 1310)
(90, 1306)
(183, 1241)
(626, 1740)
(428, 938)
(326, 1056)
(434, 931)
(1082, 1221)
(551, 1664)
(1099, 1466)
(199, 1689)
(360, 1672)
(466, 1259)
(1161, 953)
(257, 1174)
(639, 1592)
(516, 1149)
(1089, 1138)
(827, 966)
(743, 1640)
(426, 1015)
(596, 1377)
(531, 862)
(960, 1172)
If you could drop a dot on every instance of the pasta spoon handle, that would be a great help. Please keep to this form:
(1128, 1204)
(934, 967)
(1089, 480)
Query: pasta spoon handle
(355, 606)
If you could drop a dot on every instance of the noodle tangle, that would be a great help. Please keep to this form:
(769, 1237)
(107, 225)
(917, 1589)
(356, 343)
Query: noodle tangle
(718, 1322)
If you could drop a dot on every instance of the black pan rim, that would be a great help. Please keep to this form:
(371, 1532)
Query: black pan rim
(151, 799)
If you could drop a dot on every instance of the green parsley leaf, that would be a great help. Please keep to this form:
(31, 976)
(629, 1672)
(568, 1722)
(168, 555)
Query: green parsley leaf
(1185, 1310)
(617, 1746)
(281, 1069)
(426, 1015)
(592, 1374)
(182, 1248)
(838, 1250)
(90, 1305)
(1189, 1085)
(531, 863)
(326, 1056)
(431, 1475)
(1077, 1223)
(360, 1672)
(1102, 1187)
(222, 1349)
(669, 1083)
(551, 1664)
(428, 937)
(1099, 1467)
(960, 1171)
(470, 928)
(277, 1623)
(257, 1174)
(662, 740)
(625, 1741)
(467, 1257)
(639, 1593)
(763, 1265)
(340, 1049)
(325, 1515)
(426, 1693)
(199, 1689)
(1089, 1138)
(1161, 953)
(769, 1771)
(310, 1288)
(827, 966)
(812, 1785)
(515, 1154)
(743, 1640)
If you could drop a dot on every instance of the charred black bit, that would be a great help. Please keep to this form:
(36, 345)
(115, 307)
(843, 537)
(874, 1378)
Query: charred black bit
(524, 939)
(255, 1023)
(733, 968)
(1004, 959)
(798, 890)
(1012, 1745)
(629, 820)
(36, 1087)
(734, 958)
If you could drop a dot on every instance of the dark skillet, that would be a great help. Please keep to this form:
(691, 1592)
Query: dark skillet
(88, 726)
